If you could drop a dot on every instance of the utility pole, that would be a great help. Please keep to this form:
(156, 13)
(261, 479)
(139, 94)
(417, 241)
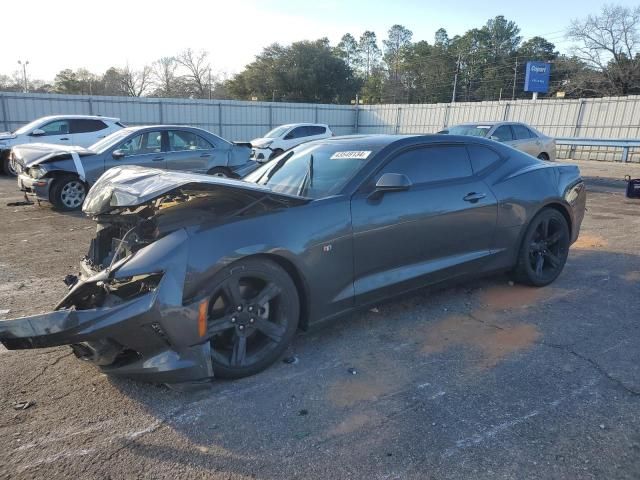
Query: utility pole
(455, 80)
(515, 72)
(209, 83)
(24, 74)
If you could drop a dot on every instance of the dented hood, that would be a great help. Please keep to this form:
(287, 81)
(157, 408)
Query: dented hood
(31, 154)
(130, 186)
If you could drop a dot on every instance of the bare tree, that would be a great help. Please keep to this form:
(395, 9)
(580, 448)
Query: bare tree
(198, 71)
(135, 84)
(164, 76)
(609, 42)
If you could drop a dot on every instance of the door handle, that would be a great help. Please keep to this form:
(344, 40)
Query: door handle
(205, 155)
(473, 197)
(157, 159)
(64, 138)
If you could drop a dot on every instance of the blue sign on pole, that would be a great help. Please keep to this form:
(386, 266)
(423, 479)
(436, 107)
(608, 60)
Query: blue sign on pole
(537, 77)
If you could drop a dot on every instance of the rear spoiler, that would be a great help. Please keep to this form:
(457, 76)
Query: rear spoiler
(243, 144)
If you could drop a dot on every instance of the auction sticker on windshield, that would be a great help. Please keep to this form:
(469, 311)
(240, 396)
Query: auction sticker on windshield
(359, 154)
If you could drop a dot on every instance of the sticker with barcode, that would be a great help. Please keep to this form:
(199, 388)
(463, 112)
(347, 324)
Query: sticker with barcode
(357, 154)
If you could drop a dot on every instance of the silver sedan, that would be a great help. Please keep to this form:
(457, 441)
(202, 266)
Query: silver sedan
(517, 135)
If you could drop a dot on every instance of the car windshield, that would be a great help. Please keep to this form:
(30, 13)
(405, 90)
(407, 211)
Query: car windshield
(28, 127)
(276, 132)
(470, 130)
(111, 140)
(312, 171)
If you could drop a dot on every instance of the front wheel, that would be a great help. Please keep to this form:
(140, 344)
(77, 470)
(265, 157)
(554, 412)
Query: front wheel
(253, 316)
(8, 166)
(544, 249)
(68, 192)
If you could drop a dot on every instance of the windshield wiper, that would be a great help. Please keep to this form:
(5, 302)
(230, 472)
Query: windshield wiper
(307, 181)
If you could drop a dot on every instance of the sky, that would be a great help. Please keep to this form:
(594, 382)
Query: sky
(78, 34)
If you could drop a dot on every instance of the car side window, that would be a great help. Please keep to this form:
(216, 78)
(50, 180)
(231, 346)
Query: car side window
(87, 125)
(57, 127)
(431, 164)
(181, 140)
(503, 133)
(521, 132)
(148, 142)
(316, 130)
(297, 132)
(482, 157)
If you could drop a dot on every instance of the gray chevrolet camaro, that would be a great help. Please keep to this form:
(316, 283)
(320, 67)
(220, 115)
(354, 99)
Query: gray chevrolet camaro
(191, 277)
(62, 175)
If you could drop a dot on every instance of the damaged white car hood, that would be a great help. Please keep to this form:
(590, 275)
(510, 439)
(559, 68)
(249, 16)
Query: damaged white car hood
(129, 186)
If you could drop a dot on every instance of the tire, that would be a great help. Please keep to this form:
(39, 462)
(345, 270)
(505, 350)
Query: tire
(543, 156)
(68, 193)
(544, 249)
(7, 165)
(254, 311)
(221, 172)
(276, 153)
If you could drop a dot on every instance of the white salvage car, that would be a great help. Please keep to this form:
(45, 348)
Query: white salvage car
(77, 130)
(285, 137)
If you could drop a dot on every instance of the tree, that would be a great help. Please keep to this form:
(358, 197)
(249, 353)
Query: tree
(198, 77)
(441, 38)
(66, 81)
(348, 49)
(369, 52)
(307, 71)
(609, 42)
(164, 78)
(537, 48)
(135, 83)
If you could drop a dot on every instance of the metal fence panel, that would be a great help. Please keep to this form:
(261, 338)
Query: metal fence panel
(611, 117)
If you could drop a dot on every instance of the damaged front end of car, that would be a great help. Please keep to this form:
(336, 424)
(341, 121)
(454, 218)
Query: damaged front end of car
(127, 312)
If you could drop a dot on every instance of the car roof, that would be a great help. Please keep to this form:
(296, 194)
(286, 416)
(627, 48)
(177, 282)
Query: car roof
(302, 124)
(379, 141)
(78, 117)
(492, 123)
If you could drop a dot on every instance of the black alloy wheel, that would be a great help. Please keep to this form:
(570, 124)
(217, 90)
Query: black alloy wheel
(544, 249)
(253, 316)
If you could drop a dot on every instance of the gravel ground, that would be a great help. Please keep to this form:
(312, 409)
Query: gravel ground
(482, 380)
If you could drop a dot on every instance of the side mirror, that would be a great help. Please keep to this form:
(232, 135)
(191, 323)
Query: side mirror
(38, 132)
(443, 132)
(118, 154)
(494, 138)
(393, 182)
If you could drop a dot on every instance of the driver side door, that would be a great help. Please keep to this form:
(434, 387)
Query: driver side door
(440, 227)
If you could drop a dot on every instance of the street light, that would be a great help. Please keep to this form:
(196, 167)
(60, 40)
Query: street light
(24, 74)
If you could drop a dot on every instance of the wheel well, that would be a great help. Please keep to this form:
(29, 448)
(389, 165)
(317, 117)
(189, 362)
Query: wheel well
(565, 213)
(299, 282)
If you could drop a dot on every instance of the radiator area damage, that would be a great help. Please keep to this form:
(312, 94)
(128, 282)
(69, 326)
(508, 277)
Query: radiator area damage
(127, 312)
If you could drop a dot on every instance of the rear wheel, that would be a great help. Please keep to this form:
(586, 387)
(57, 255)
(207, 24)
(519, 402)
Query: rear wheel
(543, 156)
(220, 172)
(68, 192)
(253, 316)
(544, 249)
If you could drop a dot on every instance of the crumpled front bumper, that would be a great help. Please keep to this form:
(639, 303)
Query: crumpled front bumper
(151, 337)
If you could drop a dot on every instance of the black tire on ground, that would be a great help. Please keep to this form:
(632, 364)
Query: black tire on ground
(7, 166)
(221, 172)
(277, 152)
(68, 192)
(544, 249)
(543, 156)
(254, 311)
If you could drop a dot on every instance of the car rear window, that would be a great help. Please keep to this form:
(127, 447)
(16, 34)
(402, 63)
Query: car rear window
(87, 125)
